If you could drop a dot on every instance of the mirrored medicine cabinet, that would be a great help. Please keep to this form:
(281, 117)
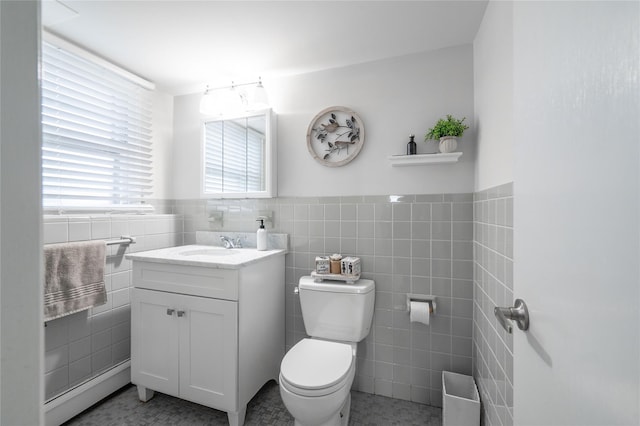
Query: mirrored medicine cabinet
(239, 156)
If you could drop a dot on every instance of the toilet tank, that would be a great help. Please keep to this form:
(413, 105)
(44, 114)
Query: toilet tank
(335, 310)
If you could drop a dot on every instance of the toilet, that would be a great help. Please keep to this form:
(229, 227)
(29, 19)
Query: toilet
(317, 373)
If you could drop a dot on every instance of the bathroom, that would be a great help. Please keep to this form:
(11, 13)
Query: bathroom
(530, 66)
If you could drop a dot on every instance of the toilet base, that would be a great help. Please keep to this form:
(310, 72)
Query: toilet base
(345, 411)
(341, 418)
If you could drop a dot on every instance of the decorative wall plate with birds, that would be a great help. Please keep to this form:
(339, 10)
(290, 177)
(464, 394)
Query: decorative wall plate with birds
(335, 136)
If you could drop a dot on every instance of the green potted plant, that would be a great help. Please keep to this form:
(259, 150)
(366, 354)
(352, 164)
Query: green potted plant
(446, 130)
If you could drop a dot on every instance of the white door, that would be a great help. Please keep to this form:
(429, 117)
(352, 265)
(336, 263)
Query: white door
(576, 212)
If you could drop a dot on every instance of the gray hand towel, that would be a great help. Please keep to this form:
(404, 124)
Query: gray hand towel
(74, 277)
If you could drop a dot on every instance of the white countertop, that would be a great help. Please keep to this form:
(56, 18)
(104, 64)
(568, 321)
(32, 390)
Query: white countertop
(203, 255)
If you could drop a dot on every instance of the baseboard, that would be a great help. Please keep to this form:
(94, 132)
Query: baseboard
(78, 399)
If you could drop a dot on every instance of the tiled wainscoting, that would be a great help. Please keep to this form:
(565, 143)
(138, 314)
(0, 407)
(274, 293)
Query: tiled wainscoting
(493, 286)
(80, 346)
(448, 245)
(408, 244)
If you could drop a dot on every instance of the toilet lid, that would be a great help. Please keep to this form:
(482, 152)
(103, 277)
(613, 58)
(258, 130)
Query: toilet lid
(316, 364)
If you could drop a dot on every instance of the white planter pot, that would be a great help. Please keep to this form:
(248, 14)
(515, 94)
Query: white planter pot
(448, 144)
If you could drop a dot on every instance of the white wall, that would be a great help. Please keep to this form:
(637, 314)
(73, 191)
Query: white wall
(393, 97)
(162, 145)
(20, 217)
(493, 89)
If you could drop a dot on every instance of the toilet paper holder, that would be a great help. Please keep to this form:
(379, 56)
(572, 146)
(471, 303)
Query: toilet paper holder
(422, 298)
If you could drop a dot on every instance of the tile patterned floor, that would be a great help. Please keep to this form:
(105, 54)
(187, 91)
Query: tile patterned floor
(124, 409)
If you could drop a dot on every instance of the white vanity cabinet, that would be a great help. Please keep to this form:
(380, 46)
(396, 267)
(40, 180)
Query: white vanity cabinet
(172, 356)
(209, 335)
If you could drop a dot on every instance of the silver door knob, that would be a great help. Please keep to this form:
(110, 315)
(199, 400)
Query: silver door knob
(518, 313)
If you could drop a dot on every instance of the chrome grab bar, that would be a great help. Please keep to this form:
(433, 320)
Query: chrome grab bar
(518, 313)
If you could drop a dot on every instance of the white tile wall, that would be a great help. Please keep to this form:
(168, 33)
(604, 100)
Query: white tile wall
(416, 244)
(493, 286)
(80, 346)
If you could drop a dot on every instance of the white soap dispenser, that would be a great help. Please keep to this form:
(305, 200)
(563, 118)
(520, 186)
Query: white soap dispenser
(261, 236)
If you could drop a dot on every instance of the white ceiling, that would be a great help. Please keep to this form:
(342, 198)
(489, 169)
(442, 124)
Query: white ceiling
(183, 45)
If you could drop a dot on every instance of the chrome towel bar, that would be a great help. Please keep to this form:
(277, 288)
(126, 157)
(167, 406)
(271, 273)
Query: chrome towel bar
(124, 239)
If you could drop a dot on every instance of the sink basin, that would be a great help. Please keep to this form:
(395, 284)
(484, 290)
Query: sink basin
(207, 252)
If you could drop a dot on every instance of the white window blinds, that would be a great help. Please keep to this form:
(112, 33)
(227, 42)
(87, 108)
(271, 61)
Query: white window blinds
(96, 129)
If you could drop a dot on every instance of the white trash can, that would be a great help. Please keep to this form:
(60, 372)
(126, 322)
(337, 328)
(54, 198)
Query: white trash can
(460, 400)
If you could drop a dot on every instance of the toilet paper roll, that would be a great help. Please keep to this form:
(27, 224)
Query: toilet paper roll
(419, 312)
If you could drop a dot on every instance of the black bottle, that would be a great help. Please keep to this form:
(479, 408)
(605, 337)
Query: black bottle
(411, 146)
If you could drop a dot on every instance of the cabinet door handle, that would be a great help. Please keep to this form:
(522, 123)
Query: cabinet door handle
(170, 311)
(181, 313)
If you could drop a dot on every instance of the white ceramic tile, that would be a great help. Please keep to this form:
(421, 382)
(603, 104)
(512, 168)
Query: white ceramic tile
(56, 333)
(79, 230)
(462, 212)
(100, 229)
(402, 391)
(101, 360)
(316, 212)
(121, 331)
(100, 340)
(55, 232)
(420, 267)
(301, 212)
(100, 322)
(401, 212)
(366, 229)
(107, 306)
(56, 381)
(79, 326)
(366, 211)
(441, 212)
(119, 227)
(56, 358)
(383, 247)
(421, 212)
(120, 280)
(384, 370)
(401, 230)
(363, 383)
(420, 394)
(383, 212)
(401, 356)
(80, 370)
(79, 349)
(120, 297)
(383, 387)
(441, 230)
(121, 350)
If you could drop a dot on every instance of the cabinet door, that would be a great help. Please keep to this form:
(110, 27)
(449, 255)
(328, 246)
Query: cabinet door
(209, 352)
(154, 341)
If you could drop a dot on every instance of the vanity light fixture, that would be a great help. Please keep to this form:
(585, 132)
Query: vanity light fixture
(234, 99)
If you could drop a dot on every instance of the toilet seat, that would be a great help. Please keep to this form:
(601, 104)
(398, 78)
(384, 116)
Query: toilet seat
(317, 367)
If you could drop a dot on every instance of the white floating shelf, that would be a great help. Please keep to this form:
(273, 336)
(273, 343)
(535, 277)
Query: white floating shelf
(418, 159)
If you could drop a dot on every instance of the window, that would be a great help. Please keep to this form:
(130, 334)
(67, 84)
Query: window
(96, 130)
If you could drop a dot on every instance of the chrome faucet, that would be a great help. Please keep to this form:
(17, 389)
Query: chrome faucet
(229, 243)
